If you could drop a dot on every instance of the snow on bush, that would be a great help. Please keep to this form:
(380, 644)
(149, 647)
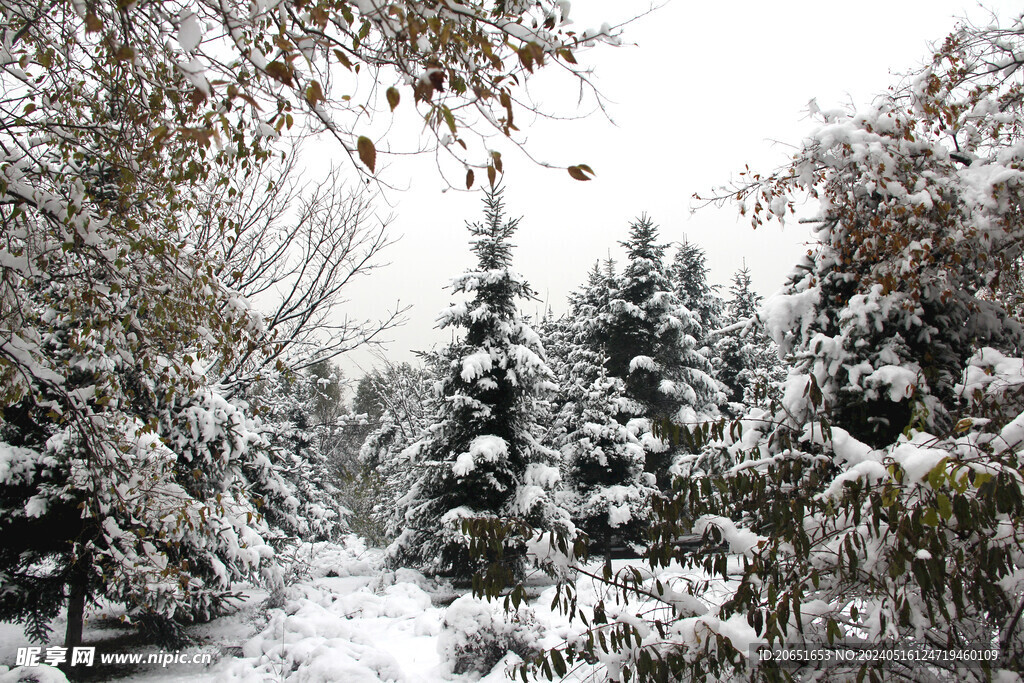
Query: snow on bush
(476, 635)
(35, 674)
(484, 448)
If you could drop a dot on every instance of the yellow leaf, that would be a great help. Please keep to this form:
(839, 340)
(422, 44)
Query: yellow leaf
(343, 58)
(314, 93)
(367, 152)
(491, 175)
(393, 97)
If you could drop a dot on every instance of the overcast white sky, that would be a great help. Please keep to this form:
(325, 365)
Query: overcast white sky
(699, 90)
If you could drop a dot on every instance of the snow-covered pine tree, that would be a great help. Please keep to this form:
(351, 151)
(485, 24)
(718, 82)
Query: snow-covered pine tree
(651, 345)
(556, 338)
(402, 396)
(482, 459)
(607, 491)
(747, 359)
(301, 421)
(688, 274)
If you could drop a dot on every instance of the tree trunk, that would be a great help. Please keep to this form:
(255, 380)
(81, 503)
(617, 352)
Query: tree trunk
(77, 590)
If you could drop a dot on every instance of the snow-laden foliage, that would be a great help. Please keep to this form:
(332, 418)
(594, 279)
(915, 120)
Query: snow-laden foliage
(162, 515)
(746, 359)
(688, 272)
(607, 492)
(130, 473)
(477, 634)
(403, 395)
(302, 424)
(913, 238)
(913, 543)
(650, 341)
(482, 458)
(882, 498)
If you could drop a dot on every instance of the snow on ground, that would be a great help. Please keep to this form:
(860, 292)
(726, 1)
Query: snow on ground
(342, 618)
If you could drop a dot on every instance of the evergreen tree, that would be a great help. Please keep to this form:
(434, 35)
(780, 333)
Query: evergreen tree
(125, 472)
(402, 396)
(650, 342)
(482, 459)
(747, 359)
(607, 491)
(689, 275)
(302, 420)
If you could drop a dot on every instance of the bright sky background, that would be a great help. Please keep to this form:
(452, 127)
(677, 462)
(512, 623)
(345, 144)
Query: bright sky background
(698, 90)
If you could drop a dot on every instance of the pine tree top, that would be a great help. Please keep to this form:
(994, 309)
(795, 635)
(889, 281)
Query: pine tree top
(744, 301)
(642, 243)
(491, 243)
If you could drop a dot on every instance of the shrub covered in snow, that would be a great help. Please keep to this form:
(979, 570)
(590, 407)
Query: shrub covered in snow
(477, 634)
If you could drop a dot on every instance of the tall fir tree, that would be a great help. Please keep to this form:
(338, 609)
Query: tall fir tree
(482, 459)
(651, 344)
(748, 360)
(399, 401)
(688, 273)
(607, 491)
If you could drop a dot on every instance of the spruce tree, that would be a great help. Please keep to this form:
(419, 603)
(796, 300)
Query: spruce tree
(482, 458)
(748, 360)
(651, 344)
(398, 401)
(608, 493)
(689, 275)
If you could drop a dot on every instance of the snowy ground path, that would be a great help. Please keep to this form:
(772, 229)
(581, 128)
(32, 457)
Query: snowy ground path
(341, 619)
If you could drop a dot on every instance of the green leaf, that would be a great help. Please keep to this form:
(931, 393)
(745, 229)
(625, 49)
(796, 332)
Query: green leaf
(449, 118)
(832, 631)
(937, 474)
(558, 663)
(393, 97)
